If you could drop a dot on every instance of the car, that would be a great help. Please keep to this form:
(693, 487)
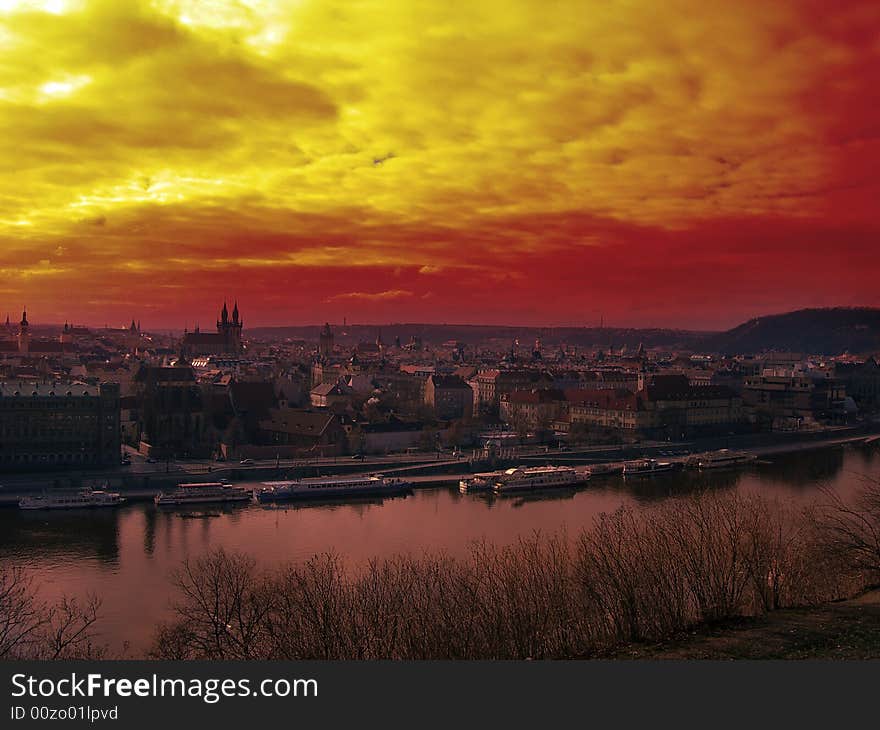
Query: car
(151, 460)
(246, 461)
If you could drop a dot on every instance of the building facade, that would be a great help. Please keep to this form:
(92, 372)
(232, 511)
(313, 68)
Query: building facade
(58, 425)
(449, 397)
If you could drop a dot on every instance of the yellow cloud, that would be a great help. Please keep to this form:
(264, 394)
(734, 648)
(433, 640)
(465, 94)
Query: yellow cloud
(378, 296)
(147, 136)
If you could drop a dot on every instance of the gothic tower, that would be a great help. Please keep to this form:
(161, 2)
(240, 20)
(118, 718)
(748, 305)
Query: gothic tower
(24, 335)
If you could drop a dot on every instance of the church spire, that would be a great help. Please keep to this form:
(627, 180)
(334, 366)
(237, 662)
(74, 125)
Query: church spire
(235, 313)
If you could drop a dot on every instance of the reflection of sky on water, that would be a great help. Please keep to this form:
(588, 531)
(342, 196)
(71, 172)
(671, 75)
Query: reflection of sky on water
(125, 555)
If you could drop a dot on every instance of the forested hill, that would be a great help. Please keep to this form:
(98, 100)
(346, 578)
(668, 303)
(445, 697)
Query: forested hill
(818, 331)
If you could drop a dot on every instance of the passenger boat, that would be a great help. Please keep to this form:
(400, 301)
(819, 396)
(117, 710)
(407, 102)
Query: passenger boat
(646, 467)
(724, 458)
(332, 487)
(522, 478)
(84, 499)
(478, 483)
(204, 492)
(601, 470)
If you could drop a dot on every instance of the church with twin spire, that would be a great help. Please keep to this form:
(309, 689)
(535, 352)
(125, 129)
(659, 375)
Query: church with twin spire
(225, 341)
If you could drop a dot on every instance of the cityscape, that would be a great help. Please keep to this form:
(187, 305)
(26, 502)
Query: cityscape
(92, 398)
(396, 330)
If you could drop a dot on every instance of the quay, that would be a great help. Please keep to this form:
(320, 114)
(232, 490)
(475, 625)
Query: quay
(423, 471)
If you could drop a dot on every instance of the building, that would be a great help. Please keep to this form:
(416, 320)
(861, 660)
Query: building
(325, 341)
(225, 341)
(449, 397)
(57, 424)
(782, 399)
(170, 407)
(532, 409)
(490, 384)
(862, 382)
(681, 410)
(606, 409)
(665, 407)
(303, 430)
(19, 342)
(24, 337)
(329, 395)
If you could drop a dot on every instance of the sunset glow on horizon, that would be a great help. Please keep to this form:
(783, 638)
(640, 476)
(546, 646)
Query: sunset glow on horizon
(653, 164)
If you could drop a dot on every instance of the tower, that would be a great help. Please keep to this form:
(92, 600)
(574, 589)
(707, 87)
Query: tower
(325, 341)
(134, 338)
(380, 346)
(24, 335)
(230, 331)
(235, 330)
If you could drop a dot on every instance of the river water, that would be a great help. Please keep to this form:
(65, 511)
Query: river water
(125, 555)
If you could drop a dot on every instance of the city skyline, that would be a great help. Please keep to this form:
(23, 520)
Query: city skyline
(679, 167)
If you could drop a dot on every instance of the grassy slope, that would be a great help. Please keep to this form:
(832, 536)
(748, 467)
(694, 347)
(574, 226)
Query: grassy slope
(843, 630)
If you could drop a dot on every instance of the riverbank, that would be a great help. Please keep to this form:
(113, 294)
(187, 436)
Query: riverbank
(430, 473)
(840, 630)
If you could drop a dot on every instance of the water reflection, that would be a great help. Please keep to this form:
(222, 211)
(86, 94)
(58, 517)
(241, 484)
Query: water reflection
(81, 533)
(125, 555)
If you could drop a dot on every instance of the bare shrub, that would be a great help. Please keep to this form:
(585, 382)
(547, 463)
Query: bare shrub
(33, 629)
(636, 575)
(848, 532)
(222, 610)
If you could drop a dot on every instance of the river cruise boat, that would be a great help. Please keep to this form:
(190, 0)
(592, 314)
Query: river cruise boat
(724, 459)
(85, 499)
(646, 467)
(604, 470)
(478, 483)
(520, 478)
(332, 488)
(202, 493)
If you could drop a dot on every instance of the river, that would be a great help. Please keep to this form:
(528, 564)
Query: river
(125, 555)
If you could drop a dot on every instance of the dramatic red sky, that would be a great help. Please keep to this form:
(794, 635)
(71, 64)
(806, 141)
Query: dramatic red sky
(675, 163)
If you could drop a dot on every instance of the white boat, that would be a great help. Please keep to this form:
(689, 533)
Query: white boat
(204, 492)
(522, 478)
(601, 470)
(84, 499)
(646, 467)
(478, 483)
(332, 487)
(724, 458)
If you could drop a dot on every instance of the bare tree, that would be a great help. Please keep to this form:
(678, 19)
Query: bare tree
(33, 629)
(221, 612)
(850, 530)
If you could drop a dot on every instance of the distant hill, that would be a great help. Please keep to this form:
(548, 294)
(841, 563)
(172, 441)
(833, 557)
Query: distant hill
(436, 334)
(816, 331)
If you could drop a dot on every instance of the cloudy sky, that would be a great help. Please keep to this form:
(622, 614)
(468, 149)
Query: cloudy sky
(653, 163)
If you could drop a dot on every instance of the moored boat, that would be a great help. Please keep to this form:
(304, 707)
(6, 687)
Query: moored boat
(332, 487)
(646, 467)
(521, 478)
(83, 499)
(478, 483)
(203, 492)
(724, 458)
(601, 470)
